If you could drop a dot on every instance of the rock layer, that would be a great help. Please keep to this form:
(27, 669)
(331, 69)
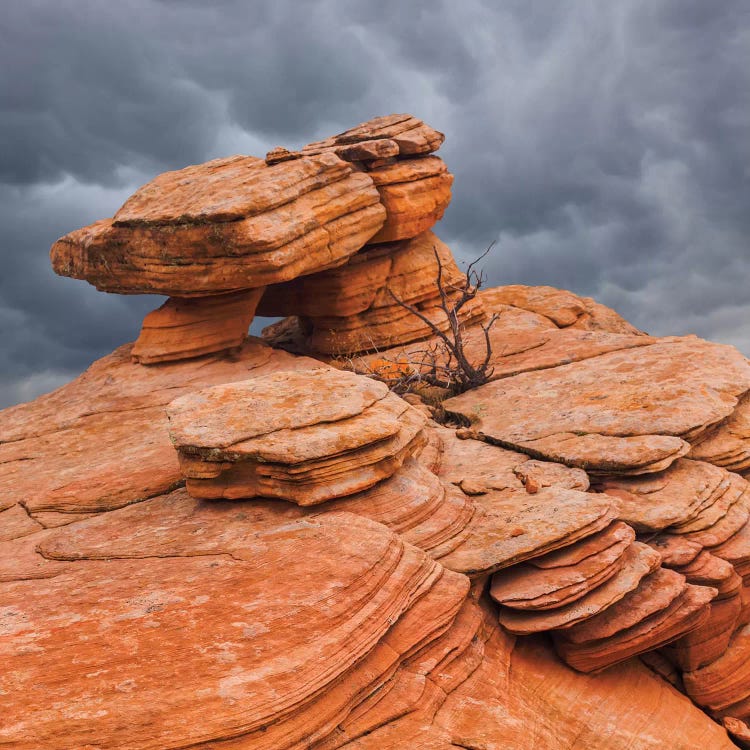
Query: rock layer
(307, 439)
(357, 307)
(630, 412)
(186, 328)
(362, 586)
(227, 225)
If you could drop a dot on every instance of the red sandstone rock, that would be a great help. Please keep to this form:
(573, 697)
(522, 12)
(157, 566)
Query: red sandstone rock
(352, 308)
(390, 601)
(724, 683)
(102, 441)
(738, 730)
(409, 134)
(415, 194)
(689, 611)
(729, 444)
(512, 526)
(321, 622)
(227, 225)
(185, 328)
(688, 496)
(532, 587)
(307, 439)
(638, 561)
(563, 308)
(618, 413)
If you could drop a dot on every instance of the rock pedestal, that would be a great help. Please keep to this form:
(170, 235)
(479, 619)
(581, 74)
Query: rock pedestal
(193, 327)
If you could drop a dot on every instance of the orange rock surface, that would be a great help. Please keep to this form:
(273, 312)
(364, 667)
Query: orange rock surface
(306, 437)
(185, 328)
(356, 307)
(227, 225)
(627, 412)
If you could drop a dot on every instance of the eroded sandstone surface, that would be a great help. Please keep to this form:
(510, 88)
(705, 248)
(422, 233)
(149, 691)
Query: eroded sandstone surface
(213, 541)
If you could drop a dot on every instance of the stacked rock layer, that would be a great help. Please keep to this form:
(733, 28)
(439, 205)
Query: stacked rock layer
(212, 236)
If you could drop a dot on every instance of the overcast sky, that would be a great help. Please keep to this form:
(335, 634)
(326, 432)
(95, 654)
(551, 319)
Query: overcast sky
(605, 144)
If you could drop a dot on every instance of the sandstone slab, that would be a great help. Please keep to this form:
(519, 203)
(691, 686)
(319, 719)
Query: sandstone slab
(619, 413)
(390, 601)
(305, 438)
(227, 225)
(639, 560)
(102, 441)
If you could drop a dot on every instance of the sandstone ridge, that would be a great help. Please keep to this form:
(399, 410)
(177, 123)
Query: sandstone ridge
(215, 541)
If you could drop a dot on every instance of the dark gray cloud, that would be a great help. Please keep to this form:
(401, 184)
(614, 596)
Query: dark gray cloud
(603, 145)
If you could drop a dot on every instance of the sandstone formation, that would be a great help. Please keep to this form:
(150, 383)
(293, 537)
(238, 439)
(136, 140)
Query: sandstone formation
(357, 307)
(185, 328)
(241, 223)
(304, 437)
(243, 547)
(623, 412)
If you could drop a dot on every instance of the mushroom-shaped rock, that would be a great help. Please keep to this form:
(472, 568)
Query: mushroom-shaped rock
(306, 437)
(240, 223)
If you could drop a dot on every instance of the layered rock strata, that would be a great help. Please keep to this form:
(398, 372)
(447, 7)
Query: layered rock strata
(622, 412)
(241, 223)
(361, 306)
(193, 327)
(306, 437)
(394, 150)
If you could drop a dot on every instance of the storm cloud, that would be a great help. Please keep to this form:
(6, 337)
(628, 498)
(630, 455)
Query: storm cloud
(604, 146)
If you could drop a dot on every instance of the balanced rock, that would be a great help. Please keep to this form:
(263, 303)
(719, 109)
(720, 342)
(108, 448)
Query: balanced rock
(306, 439)
(242, 223)
(363, 577)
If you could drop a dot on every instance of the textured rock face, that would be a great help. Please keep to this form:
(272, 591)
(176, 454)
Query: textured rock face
(408, 655)
(356, 307)
(102, 441)
(306, 437)
(562, 308)
(242, 223)
(629, 412)
(185, 328)
(227, 225)
(270, 679)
